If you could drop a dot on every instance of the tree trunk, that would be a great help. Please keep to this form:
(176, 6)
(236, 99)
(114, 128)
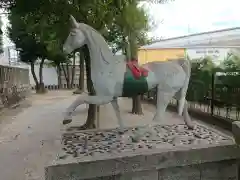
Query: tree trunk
(65, 75)
(81, 74)
(73, 70)
(136, 100)
(59, 74)
(125, 48)
(41, 83)
(81, 87)
(136, 105)
(34, 76)
(92, 109)
(128, 51)
(68, 76)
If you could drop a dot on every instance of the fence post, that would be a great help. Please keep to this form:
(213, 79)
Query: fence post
(1, 76)
(213, 94)
(156, 96)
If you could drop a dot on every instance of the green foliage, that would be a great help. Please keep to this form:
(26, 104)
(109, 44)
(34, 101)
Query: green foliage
(26, 42)
(227, 79)
(231, 68)
(6, 3)
(133, 18)
(231, 62)
(130, 23)
(47, 23)
(32, 31)
(201, 78)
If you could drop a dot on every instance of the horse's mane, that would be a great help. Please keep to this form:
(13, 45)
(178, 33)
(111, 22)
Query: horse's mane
(95, 38)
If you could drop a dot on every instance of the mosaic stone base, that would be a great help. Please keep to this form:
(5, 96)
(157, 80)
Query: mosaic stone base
(165, 152)
(96, 143)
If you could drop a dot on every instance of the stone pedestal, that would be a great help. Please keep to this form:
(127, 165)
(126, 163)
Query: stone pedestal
(165, 153)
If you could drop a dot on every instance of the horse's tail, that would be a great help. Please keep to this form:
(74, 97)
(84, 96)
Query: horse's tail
(186, 65)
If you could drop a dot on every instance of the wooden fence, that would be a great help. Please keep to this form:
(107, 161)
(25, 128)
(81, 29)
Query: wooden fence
(14, 85)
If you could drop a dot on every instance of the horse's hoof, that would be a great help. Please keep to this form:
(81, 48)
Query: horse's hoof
(66, 121)
(135, 138)
(191, 126)
(121, 131)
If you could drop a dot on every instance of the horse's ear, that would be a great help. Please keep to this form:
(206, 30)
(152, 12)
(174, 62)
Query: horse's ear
(73, 21)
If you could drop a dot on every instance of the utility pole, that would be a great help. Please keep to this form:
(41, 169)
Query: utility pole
(189, 33)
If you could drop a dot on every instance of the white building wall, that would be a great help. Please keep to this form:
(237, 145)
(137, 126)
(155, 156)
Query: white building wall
(49, 75)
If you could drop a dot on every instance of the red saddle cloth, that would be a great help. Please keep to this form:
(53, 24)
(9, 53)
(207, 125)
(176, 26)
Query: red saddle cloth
(137, 70)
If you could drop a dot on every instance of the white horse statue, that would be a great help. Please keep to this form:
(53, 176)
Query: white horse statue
(113, 78)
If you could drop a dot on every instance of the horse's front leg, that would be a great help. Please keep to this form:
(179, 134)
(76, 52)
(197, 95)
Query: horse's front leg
(98, 100)
(115, 106)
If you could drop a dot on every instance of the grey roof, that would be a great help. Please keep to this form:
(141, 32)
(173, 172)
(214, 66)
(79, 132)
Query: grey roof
(183, 41)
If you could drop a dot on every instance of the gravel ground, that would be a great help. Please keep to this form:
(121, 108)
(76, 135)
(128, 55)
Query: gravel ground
(30, 135)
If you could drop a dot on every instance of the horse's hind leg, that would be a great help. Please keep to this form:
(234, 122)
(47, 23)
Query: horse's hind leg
(181, 101)
(186, 117)
(163, 99)
(183, 109)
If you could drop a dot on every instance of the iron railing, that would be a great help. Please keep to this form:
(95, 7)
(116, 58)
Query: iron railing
(220, 100)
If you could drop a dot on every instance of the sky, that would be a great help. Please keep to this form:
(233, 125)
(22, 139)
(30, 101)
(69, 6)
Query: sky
(182, 17)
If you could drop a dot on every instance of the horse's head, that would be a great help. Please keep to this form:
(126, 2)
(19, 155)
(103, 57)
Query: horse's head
(75, 39)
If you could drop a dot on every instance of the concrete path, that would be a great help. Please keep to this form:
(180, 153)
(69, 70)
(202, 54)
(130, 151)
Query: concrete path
(30, 135)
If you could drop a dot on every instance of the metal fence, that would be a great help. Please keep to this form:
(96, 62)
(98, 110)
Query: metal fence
(57, 87)
(14, 85)
(219, 99)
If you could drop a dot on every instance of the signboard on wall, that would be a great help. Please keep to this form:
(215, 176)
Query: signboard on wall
(217, 54)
